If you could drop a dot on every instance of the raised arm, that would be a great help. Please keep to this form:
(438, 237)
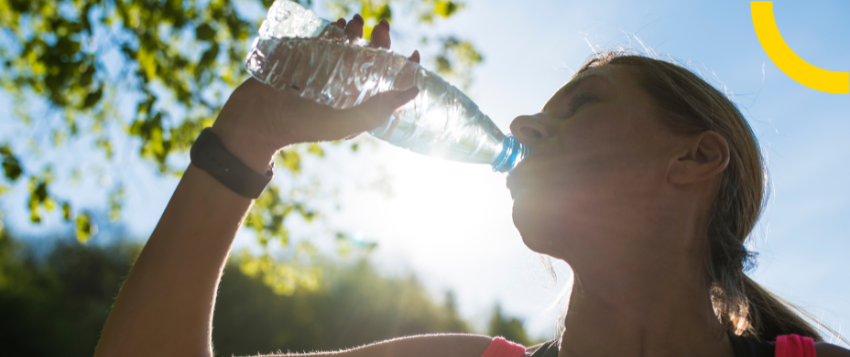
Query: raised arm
(165, 306)
(430, 345)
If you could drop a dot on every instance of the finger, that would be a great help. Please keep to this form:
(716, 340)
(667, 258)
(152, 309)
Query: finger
(370, 115)
(381, 35)
(354, 28)
(414, 57)
(340, 23)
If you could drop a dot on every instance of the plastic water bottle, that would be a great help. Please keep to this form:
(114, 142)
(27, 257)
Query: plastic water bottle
(298, 49)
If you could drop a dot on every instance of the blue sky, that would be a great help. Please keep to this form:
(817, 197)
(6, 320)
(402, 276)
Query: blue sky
(530, 51)
(451, 223)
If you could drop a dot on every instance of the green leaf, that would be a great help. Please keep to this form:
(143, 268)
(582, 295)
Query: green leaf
(39, 197)
(306, 213)
(316, 150)
(116, 199)
(11, 164)
(446, 8)
(204, 32)
(291, 160)
(93, 97)
(66, 211)
(284, 277)
(455, 60)
(85, 228)
(106, 145)
(443, 65)
(384, 12)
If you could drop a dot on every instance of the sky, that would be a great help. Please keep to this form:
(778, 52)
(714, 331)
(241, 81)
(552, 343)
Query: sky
(450, 223)
(463, 237)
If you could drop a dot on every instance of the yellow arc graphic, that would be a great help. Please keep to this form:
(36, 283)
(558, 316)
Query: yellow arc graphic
(788, 61)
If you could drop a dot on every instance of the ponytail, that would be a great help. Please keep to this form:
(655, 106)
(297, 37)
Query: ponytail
(770, 315)
(774, 315)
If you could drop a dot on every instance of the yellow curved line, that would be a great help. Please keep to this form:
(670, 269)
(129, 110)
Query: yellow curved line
(787, 61)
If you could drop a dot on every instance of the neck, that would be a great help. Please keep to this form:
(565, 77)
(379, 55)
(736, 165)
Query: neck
(637, 312)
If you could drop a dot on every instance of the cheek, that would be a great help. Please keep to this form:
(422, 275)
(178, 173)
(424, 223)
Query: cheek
(605, 171)
(608, 155)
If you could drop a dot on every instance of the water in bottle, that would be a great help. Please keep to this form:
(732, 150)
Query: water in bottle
(299, 50)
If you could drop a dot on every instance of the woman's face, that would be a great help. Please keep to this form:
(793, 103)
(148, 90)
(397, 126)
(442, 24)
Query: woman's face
(596, 179)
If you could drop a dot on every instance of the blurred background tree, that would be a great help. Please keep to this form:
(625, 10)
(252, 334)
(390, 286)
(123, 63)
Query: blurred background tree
(510, 328)
(154, 73)
(55, 301)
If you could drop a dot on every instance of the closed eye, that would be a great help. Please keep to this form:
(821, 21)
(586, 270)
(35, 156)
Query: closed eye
(580, 99)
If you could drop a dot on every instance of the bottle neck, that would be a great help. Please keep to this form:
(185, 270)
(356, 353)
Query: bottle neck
(512, 153)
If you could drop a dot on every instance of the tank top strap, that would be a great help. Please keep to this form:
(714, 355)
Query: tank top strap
(500, 347)
(750, 346)
(794, 346)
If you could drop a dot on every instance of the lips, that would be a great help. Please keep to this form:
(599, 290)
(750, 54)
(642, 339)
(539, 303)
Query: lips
(516, 192)
(514, 181)
(512, 186)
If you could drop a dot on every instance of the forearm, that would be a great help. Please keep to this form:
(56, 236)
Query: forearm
(165, 306)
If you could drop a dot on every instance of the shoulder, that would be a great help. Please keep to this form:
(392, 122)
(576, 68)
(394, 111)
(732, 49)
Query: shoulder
(823, 349)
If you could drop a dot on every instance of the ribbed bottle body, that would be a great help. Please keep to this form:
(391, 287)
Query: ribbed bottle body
(327, 68)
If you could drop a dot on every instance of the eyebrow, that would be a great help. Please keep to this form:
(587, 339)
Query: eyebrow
(568, 89)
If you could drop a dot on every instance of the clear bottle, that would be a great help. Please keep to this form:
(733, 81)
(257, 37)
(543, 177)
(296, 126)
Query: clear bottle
(298, 49)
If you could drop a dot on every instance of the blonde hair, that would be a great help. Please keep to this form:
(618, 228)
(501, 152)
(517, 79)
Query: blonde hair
(689, 104)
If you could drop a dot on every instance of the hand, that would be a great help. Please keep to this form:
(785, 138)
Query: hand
(258, 120)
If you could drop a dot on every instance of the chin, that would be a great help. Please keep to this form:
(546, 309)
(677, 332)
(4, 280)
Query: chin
(542, 226)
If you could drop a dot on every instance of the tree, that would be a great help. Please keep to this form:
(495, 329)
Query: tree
(511, 328)
(173, 62)
(56, 303)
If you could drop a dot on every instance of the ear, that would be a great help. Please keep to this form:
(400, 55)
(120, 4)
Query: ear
(703, 157)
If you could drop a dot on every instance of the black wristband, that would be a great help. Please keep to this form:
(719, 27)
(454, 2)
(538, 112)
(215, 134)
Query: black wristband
(209, 154)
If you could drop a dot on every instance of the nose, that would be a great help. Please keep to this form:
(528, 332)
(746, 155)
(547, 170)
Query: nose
(529, 130)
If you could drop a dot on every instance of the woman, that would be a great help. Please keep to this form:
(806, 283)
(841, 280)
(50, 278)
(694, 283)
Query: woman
(644, 178)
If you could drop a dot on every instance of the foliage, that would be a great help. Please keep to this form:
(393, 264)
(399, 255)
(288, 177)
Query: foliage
(353, 306)
(153, 73)
(56, 303)
(509, 327)
(455, 56)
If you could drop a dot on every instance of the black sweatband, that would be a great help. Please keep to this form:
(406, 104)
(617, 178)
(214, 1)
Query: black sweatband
(209, 154)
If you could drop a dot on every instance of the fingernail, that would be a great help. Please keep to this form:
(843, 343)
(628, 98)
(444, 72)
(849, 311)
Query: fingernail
(384, 22)
(358, 18)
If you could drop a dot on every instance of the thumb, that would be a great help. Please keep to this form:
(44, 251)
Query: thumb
(377, 110)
